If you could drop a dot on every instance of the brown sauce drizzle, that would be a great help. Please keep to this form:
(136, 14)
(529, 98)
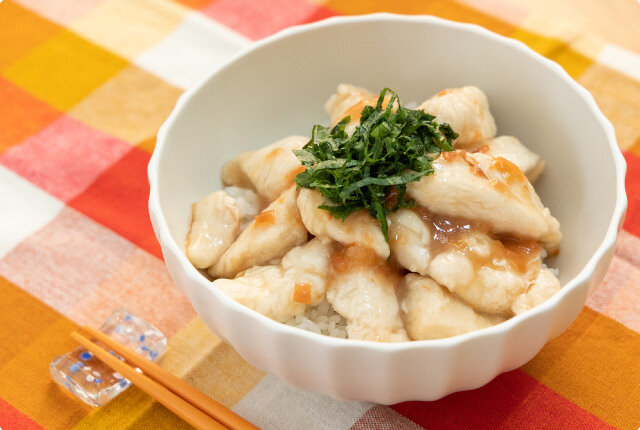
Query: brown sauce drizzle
(291, 176)
(454, 233)
(355, 111)
(450, 156)
(357, 257)
(266, 218)
(302, 293)
(519, 252)
(274, 153)
(511, 179)
(509, 172)
(391, 198)
(484, 149)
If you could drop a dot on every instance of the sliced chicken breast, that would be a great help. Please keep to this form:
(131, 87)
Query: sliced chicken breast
(466, 110)
(283, 291)
(232, 174)
(490, 190)
(308, 267)
(358, 228)
(273, 168)
(430, 311)
(349, 101)
(269, 171)
(484, 272)
(263, 289)
(362, 289)
(544, 286)
(270, 236)
(410, 240)
(215, 224)
(510, 148)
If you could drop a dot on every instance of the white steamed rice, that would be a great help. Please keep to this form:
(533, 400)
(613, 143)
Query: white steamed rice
(321, 319)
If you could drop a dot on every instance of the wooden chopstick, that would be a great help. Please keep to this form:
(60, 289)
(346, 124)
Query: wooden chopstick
(175, 384)
(170, 400)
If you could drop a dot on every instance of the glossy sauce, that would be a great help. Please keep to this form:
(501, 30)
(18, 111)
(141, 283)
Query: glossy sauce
(274, 153)
(484, 149)
(357, 257)
(462, 156)
(291, 176)
(457, 234)
(355, 111)
(509, 172)
(302, 293)
(265, 219)
(520, 252)
(391, 198)
(510, 180)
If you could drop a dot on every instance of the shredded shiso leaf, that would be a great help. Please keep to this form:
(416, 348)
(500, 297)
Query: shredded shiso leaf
(390, 147)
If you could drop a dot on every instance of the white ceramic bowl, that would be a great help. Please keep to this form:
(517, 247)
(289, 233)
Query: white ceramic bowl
(277, 87)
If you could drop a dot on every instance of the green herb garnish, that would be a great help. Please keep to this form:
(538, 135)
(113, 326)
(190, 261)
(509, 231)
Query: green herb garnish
(387, 149)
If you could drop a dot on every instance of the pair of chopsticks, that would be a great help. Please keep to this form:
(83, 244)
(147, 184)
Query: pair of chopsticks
(182, 399)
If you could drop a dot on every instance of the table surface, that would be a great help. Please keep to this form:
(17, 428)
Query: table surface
(84, 87)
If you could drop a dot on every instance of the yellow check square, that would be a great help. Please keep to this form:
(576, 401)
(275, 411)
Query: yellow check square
(132, 106)
(64, 70)
(573, 62)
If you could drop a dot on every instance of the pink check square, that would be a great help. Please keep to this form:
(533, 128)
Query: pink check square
(65, 261)
(257, 19)
(65, 157)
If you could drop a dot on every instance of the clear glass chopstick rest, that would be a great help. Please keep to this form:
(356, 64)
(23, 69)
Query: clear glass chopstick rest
(90, 379)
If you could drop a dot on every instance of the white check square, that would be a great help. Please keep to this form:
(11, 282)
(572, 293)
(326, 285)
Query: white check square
(191, 51)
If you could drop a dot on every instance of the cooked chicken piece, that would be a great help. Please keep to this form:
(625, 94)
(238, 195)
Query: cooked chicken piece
(430, 311)
(510, 148)
(544, 286)
(232, 174)
(349, 101)
(359, 227)
(272, 233)
(506, 177)
(410, 240)
(466, 110)
(308, 267)
(486, 189)
(362, 289)
(248, 203)
(269, 171)
(281, 292)
(460, 255)
(263, 289)
(273, 168)
(215, 224)
(484, 272)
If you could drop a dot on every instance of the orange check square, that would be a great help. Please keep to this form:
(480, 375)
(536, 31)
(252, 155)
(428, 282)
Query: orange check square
(64, 69)
(20, 32)
(21, 115)
(196, 4)
(148, 144)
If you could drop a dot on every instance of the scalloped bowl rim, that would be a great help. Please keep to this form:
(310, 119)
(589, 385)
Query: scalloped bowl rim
(165, 237)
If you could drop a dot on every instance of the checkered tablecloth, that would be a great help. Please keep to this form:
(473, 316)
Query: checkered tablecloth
(84, 87)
